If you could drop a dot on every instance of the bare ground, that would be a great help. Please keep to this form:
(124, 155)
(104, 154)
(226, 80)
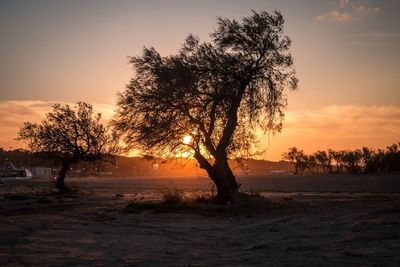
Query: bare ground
(313, 223)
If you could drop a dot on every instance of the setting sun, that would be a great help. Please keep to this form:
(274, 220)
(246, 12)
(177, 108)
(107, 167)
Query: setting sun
(207, 133)
(187, 139)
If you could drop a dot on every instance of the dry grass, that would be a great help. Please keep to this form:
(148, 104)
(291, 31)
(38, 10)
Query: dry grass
(172, 195)
(173, 202)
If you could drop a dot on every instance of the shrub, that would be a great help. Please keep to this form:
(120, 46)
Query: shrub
(172, 196)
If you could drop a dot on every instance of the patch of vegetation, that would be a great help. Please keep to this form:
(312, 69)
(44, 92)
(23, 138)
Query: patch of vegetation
(241, 204)
(254, 193)
(172, 196)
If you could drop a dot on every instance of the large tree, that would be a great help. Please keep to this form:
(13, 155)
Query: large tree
(70, 135)
(217, 92)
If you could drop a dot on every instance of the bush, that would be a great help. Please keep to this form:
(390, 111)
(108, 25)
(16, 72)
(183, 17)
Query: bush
(172, 196)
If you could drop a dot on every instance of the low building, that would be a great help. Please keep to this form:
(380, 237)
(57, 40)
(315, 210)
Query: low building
(8, 169)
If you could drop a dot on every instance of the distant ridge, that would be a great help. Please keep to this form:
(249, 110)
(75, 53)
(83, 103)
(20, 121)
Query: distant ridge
(149, 167)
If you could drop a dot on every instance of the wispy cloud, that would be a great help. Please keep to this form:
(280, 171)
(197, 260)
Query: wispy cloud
(345, 121)
(365, 9)
(335, 15)
(348, 10)
(336, 127)
(344, 3)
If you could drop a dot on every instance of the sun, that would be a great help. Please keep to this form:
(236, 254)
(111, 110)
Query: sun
(187, 139)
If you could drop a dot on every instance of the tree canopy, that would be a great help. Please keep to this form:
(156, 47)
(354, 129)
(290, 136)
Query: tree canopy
(217, 92)
(69, 135)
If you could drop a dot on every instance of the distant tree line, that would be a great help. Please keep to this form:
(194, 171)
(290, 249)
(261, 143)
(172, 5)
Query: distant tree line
(25, 158)
(365, 160)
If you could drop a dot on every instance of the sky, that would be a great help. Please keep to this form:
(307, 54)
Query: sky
(346, 54)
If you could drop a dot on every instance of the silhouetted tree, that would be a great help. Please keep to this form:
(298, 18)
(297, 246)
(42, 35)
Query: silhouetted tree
(70, 135)
(298, 158)
(330, 154)
(311, 163)
(392, 158)
(338, 158)
(372, 160)
(322, 159)
(352, 160)
(217, 92)
(365, 160)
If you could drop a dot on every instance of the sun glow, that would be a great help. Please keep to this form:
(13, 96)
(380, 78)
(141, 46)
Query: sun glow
(187, 139)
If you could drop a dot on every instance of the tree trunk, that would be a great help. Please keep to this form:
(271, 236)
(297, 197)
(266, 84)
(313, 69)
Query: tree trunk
(224, 169)
(224, 180)
(61, 177)
(225, 190)
(222, 176)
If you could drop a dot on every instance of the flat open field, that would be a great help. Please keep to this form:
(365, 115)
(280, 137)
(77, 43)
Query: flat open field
(308, 221)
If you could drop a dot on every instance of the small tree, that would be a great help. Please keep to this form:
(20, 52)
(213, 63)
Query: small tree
(322, 159)
(372, 161)
(311, 163)
(352, 160)
(338, 157)
(70, 135)
(392, 158)
(298, 158)
(330, 155)
(216, 92)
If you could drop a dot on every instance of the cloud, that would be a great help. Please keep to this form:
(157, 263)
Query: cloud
(336, 127)
(364, 10)
(344, 3)
(11, 112)
(348, 10)
(14, 113)
(345, 121)
(337, 16)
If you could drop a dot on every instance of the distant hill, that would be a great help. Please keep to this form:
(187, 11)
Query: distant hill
(138, 166)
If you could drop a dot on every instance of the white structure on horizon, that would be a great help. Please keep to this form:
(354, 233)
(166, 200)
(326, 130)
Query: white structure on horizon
(8, 169)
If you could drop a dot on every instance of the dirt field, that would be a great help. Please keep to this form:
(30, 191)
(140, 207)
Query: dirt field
(309, 221)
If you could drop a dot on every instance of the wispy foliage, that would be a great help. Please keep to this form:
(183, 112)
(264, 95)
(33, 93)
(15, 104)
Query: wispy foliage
(217, 92)
(71, 134)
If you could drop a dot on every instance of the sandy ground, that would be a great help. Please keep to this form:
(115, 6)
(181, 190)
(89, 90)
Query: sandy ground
(311, 221)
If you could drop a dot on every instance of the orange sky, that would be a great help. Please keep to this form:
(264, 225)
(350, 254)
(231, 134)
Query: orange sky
(336, 127)
(346, 54)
